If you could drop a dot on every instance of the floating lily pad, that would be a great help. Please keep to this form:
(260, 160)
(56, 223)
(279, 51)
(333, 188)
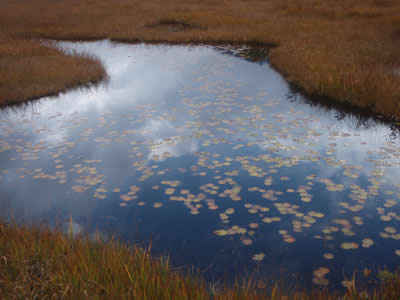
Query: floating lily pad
(258, 257)
(169, 191)
(391, 230)
(247, 242)
(348, 246)
(229, 211)
(329, 256)
(253, 225)
(366, 243)
(221, 232)
(289, 239)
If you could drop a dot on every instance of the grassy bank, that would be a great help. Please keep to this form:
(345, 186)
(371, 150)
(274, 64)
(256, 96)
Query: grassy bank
(38, 263)
(29, 70)
(347, 50)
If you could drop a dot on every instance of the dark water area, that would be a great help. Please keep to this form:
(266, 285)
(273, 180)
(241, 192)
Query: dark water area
(209, 153)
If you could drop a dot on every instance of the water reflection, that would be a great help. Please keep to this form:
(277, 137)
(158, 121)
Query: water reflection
(213, 157)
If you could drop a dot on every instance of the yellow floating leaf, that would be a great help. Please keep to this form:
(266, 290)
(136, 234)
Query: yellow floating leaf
(221, 232)
(366, 243)
(223, 216)
(247, 242)
(289, 239)
(306, 199)
(390, 230)
(253, 225)
(386, 218)
(348, 246)
(258, 257)
(229, 211)
(329, 256)
(169, 191)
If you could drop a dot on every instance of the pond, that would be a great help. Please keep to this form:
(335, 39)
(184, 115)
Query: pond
(209, 153)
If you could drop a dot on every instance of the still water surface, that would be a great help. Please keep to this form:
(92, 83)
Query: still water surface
(209, 153)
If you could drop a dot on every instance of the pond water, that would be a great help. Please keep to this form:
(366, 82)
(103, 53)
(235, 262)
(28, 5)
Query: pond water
(210, 154)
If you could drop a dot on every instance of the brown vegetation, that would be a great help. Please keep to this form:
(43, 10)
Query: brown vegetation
(348, 50)
(38, 263)
(29, 69)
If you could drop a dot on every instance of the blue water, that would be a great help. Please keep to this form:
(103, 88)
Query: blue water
(209, 153)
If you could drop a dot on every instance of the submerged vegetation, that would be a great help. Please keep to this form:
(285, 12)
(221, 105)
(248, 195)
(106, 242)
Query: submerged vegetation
(344, 50)
(38, 263)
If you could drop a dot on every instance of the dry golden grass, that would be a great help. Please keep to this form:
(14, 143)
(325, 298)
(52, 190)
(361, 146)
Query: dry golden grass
(29, 69)
(38, 263)
(347, 50)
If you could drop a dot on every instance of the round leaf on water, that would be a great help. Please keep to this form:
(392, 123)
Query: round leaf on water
(247, 242)
(366, 243)
(289, 239)
(329, 256)
(169, 191)
(348, 246)
(229, 211)
(221, 232)
(253, 225)
(258, 257)
(390, 230)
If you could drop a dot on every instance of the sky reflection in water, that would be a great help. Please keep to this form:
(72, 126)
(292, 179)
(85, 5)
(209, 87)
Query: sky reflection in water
(213, 158)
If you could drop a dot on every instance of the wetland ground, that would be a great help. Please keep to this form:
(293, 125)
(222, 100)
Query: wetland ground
(209, 153)
(347, 51)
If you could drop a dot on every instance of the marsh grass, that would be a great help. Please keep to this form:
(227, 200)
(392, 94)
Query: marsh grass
(40, 263)
(30, 69)
(347, 50)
